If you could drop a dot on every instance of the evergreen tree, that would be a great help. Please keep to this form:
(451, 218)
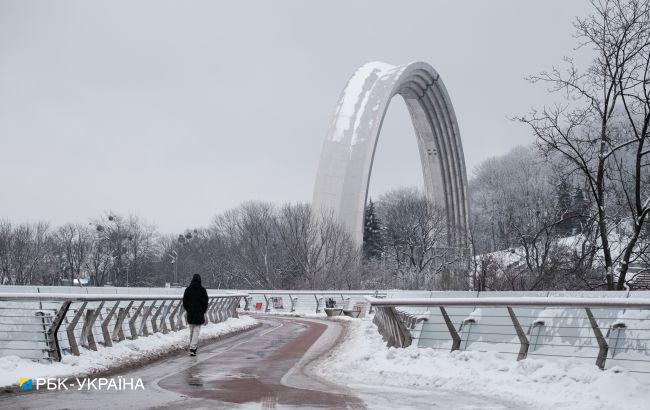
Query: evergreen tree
(372, 239)
(564, 196)
(580, 209)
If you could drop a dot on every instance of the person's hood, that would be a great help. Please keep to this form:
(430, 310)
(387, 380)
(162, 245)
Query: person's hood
(196, 280)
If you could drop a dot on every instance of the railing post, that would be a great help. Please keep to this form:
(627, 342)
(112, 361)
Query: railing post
(602, 343)
(154, 319)
(172, 316)
(523, 340)
(227, 308)
(105, 333)
(230, 308)
(87, 335)
(233, 307)
(317, 303)
(267, 308)
(72, 340)
(134, 331)
(163, 322)
(145, 316)
(90, 313)
(222, 310)
(217, 310)
(53, 331)
(181, 323)
(214, 311)
(209, 311)
(118, 333)
(455, 344)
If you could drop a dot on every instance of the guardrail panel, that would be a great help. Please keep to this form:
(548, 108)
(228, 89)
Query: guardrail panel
(49, 325)
(585, 328)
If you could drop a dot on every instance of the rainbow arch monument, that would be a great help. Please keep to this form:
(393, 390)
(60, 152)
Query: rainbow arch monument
(347, 156)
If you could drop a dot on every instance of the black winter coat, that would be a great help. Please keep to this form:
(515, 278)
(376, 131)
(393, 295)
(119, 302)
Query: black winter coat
(195, 301)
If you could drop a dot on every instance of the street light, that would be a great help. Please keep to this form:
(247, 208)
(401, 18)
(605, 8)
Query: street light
(174, 255)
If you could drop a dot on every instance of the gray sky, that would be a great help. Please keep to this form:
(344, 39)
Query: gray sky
(178, 110)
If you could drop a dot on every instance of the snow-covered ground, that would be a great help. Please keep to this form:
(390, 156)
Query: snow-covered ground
(363, 360)
(517, 255)
(120, 354)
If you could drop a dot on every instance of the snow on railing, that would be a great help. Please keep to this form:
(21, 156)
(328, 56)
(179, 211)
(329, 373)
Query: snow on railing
(48, 322)
(554, 326)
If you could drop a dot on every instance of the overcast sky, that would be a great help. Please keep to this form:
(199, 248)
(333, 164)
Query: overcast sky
(179, 110)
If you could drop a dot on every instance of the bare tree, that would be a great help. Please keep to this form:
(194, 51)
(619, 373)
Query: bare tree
(415, 239)
(23, 252)
(98, 262)
(320, 252)
(72, 245)
(123, 249)
(251, 232)
(142, 248)
(606, 110)
(5, 252)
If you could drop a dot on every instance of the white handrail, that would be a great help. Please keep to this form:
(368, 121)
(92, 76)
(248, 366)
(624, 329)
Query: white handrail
(623, 303)
(313, 292)
(96, 297)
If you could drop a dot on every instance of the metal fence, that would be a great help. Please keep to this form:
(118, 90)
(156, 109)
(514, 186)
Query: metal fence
(50, 325)
(609, 331)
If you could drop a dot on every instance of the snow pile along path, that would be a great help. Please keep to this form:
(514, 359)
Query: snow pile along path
(363, 359)
(125, 353)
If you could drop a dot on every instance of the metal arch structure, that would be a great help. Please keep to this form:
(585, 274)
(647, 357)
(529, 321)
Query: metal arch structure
(346, 159)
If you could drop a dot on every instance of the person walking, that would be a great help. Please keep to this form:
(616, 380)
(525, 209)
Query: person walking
(195, 303)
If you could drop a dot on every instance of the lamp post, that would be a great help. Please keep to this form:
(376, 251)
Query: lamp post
(174, 256)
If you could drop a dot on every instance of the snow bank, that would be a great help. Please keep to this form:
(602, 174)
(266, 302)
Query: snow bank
(121, 354)
(363, 359)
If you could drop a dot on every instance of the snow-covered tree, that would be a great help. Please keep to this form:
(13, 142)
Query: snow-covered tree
(372, 233)
(602, 123)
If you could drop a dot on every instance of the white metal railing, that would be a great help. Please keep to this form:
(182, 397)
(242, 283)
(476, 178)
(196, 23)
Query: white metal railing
(35, 323)
(614, 328)
(307, 300)
(304, 301)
